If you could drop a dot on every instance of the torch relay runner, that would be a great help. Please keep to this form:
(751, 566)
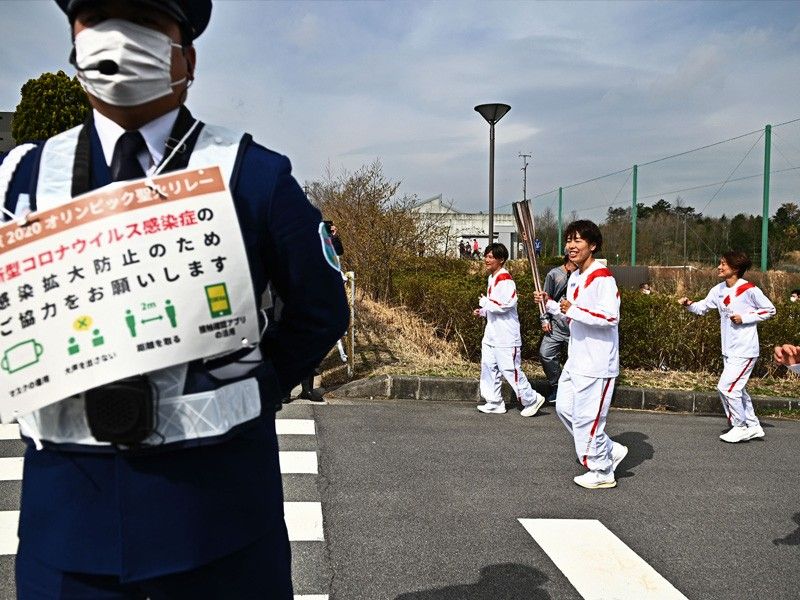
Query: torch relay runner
(788, 355)
(502, 342)
(741, 306)
(586, 385)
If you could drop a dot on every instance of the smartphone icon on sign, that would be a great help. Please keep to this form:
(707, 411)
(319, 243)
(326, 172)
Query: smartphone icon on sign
(218, 303)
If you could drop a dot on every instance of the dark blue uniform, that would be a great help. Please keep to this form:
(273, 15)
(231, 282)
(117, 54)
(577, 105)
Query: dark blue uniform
(142, 514)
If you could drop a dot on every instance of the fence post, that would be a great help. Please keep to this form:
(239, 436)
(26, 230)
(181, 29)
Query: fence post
(765, 211)
(560, 224)
(634, 212)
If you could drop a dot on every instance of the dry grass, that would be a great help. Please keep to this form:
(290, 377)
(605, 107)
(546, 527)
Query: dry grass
(395, 341)
(696, 281)
(700, 381)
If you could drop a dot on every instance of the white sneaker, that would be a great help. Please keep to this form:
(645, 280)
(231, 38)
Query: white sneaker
(493, 409)
(594, 480)
(755, 432)
(618, 453)
(738, 433)
(533, 408)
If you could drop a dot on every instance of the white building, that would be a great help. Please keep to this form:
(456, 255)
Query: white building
(469, 226)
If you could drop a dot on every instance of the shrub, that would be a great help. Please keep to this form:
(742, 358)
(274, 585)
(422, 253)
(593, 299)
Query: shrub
(655, 332)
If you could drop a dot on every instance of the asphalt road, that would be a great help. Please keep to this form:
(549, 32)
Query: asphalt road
(421, 501)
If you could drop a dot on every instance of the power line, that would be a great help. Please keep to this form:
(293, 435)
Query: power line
(624, 183)
(786, 122)
(545, 193)
(689, 189)
(708, 185)
(736, 168)
(722, 184)
(782, 155)
(566, 187)
(738, 137)
(787, 142)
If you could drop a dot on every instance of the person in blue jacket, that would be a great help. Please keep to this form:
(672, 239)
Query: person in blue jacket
(199, 516)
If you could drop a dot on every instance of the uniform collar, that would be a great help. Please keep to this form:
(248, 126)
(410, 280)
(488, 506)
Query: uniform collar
(155, 134)
(498, 272)
(596, 264)
(738, 282)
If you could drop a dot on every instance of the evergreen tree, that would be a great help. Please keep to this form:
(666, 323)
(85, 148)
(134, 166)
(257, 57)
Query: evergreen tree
(50, 104)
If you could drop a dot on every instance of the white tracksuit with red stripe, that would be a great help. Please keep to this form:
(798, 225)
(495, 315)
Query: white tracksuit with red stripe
(739, 343)
(587, 381)
(502, 342)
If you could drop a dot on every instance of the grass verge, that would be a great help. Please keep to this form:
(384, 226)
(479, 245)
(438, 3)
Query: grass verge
(396, 341)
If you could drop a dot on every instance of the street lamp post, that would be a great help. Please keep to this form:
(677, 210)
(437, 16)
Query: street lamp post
(492, 113)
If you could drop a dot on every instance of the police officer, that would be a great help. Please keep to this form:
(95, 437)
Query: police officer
(195, 517)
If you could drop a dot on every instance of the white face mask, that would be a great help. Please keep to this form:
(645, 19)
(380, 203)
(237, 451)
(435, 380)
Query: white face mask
(143, 57)
(792, 298)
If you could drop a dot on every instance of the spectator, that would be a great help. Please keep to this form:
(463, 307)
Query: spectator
(537, 247)
(476, 249)
(644, 288)
(794, 296)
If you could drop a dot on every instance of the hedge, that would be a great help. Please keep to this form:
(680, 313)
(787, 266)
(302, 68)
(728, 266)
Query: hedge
(655, 332)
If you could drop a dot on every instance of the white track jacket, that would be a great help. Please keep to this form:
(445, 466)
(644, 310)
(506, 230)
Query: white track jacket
(593, 322)
(499, 306)
(744, 299)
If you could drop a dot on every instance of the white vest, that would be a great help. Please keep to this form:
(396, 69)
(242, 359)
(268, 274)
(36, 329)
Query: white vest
(7, 169)
(201, 416)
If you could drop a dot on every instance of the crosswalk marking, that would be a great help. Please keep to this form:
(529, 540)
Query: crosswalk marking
(9, 519)
(11, 468)
(298, 462)
(295, 427)
(291, 462)
(304, 521)
(282, 427)
(9, 432)
(596, 562)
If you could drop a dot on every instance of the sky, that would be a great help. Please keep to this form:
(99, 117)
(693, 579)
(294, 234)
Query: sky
(594, 88)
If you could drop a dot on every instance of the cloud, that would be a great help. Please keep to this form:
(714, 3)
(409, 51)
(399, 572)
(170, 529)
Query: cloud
(306, 35)
(594, 88)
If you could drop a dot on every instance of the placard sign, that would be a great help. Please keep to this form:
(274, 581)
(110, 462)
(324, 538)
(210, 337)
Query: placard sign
(124, 280)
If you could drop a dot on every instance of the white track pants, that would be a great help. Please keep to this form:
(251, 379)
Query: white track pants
(582, 405)
(499, 363)
(735, 400)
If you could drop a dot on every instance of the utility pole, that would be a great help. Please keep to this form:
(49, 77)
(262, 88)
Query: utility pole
(524, 170)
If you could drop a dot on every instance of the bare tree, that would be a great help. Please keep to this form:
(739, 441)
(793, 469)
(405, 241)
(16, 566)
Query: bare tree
(378, 227)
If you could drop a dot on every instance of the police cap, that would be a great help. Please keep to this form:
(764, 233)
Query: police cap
(191, 15)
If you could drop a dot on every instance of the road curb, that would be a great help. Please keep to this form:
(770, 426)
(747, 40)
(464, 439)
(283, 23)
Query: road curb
(412, 387)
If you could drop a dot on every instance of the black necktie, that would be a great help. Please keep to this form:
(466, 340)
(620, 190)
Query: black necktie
(124, 164)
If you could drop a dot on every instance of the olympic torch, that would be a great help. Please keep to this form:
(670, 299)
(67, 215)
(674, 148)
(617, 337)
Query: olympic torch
(527, 230)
